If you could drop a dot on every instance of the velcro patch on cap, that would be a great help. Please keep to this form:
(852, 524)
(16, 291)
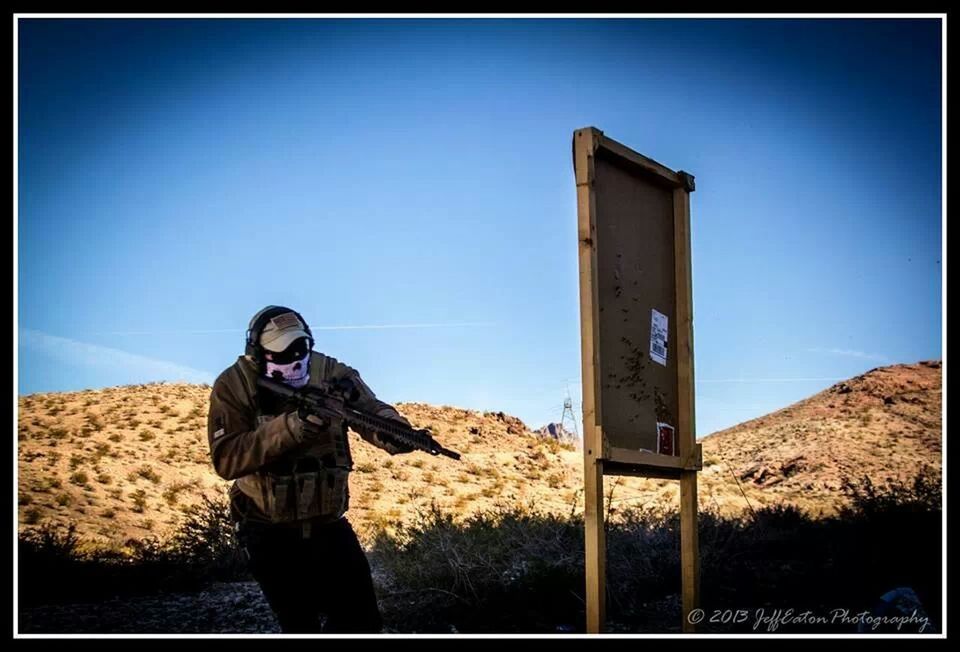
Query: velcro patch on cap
(286, 320)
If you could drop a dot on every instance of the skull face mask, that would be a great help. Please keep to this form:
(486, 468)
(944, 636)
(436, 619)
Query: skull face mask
(295, 374)
(292, 366)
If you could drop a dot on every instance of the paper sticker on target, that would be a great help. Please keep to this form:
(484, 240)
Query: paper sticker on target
(667, 439)
(658, 337)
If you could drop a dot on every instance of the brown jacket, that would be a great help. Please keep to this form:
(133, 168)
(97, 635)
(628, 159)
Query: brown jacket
(281, 476)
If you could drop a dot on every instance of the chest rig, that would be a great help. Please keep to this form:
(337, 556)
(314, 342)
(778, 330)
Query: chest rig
(310, 481)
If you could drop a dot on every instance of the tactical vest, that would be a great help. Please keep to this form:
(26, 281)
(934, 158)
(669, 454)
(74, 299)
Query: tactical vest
(310, 482)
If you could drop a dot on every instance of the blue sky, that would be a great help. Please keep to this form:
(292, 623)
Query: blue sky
(415, 176)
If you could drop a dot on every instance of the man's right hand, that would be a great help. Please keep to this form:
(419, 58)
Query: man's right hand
(305, 427)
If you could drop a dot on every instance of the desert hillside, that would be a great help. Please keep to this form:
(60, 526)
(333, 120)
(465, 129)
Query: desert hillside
(886, 423)
(125, 463)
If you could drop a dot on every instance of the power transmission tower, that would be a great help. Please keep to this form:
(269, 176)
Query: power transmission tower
(568, 410)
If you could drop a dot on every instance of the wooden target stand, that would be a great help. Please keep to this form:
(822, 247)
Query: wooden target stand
(636, 328)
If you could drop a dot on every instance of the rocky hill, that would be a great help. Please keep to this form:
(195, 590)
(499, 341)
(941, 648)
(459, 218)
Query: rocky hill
(886, 423)
(558, 432)
(125, 463)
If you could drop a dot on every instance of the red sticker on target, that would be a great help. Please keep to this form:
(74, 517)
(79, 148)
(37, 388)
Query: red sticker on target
(666, 439)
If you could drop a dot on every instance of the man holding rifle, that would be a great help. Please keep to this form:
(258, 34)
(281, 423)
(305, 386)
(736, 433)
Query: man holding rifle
(278, 427)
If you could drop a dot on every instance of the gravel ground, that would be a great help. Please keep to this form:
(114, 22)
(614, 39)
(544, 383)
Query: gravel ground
(223, 608)
(234, 608)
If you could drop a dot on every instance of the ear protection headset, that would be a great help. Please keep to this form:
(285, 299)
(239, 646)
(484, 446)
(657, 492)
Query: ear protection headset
(259, 322)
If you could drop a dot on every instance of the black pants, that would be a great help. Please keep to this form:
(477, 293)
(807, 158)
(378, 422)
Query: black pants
(302, 579)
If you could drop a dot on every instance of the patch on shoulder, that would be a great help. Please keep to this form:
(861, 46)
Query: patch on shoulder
(220, 430)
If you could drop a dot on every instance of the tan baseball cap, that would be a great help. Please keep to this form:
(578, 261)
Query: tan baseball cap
(281, 331)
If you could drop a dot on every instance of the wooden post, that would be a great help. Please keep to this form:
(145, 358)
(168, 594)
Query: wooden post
(596, 545)
(595, 552)
(689, 548)
(686, 423)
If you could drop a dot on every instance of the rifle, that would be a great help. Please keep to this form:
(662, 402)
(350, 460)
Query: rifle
(334, 405)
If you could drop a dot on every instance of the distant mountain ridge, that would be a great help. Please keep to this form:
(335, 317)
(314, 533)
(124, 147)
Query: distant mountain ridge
(558, 432)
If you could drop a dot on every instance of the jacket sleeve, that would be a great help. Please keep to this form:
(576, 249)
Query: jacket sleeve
(237, 446)
(368, 402)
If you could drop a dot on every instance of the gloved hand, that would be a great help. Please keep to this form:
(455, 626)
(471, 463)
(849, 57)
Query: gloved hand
(305, 426)
(347, 389)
